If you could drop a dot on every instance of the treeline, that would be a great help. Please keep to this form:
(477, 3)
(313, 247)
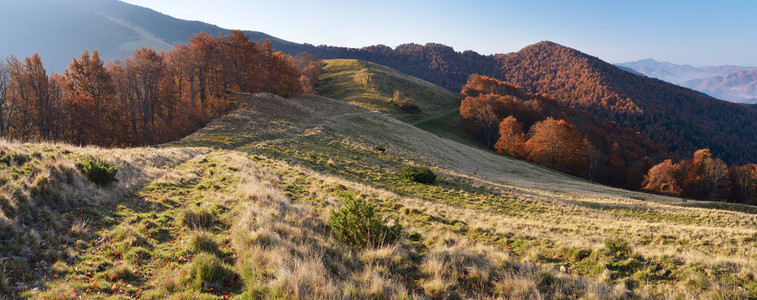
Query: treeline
(704, 177)
(539, 129)
(436, 63)
(147, 98)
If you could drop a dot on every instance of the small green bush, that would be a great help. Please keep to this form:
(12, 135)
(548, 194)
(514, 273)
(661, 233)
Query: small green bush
(357, 224)
(208, 271)
(418, 174)
(98, 171)
(618, 246)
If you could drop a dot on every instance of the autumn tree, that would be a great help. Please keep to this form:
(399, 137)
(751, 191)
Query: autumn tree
(597, 162)
(310, 68)
(208, 51)
(512, 140)
(481, 114)
(92, 109)
(19, 106)
(284, 76)
(143, 79)
(743, 184)
(616, 168)
(706, 177)
(559, 145)
(664, 178)
(4, 99)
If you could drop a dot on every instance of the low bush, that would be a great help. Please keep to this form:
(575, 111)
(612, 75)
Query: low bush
(358, 225)
(98, 171)
(418, 174)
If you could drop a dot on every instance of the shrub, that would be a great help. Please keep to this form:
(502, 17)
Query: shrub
(98, 171)
(617, 246)
(357, 224)
(418, 174)
(408, 105)
(379, 148)
(208, 271)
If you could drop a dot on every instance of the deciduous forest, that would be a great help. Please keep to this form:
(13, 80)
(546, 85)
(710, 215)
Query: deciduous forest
(147, 98)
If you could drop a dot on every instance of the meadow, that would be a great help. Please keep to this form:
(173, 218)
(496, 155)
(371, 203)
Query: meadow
(241, 209)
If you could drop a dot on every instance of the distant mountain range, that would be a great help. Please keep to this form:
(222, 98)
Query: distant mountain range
(731, 83)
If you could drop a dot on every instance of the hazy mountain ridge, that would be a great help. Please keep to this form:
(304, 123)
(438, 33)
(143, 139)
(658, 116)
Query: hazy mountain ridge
(731, 83)
(675, 73)
(738, 86)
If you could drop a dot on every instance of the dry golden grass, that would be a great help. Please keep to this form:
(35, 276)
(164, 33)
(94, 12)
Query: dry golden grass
(492, 227)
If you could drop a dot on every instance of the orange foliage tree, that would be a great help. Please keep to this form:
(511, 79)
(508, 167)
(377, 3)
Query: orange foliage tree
(512, 140)
(557, 144)
(706, 177)
(664, 178)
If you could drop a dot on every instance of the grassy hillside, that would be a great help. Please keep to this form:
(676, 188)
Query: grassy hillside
(241, 208)
(372, 86)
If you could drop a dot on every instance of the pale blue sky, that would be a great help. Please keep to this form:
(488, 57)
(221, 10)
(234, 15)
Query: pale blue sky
(694, 32)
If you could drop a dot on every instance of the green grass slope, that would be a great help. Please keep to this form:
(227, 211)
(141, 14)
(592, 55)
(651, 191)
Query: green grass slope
(241, 209)
(372, 86)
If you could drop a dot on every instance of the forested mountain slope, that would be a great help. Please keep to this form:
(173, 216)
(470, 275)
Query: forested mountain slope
(682, 119)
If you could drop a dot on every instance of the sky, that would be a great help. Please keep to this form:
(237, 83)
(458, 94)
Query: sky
(692, 32)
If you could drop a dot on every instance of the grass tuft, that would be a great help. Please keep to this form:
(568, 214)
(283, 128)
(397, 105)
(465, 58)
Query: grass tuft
(123, 272)
(208, 272)
(203, 241)
(198, 219)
